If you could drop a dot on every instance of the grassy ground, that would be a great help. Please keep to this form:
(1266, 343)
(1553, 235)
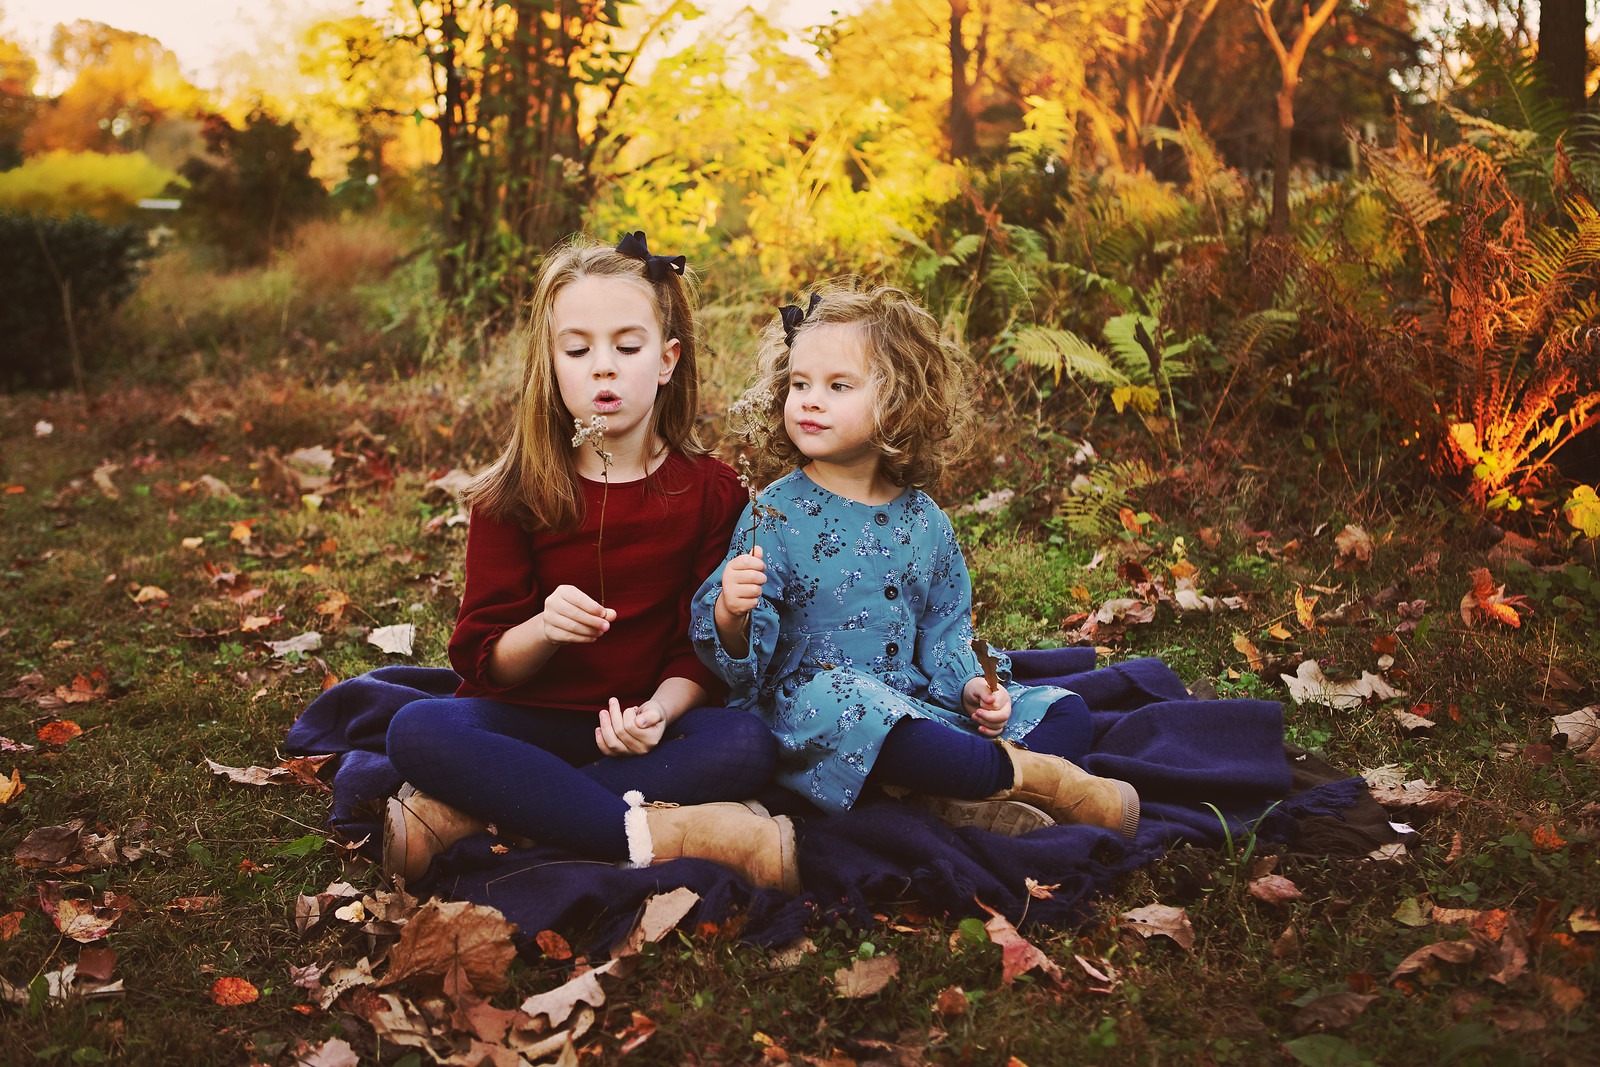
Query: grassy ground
(151, 542)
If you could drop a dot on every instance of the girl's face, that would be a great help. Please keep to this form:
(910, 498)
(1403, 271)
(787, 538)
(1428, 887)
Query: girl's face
(609, 355)
(828, 411)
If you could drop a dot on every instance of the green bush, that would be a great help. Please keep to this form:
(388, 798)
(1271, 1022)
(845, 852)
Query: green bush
(247, 196)
(61, 277)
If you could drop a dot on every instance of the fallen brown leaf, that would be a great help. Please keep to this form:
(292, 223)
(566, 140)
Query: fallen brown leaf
(1274, 889)
(1154, 920)
(864, 978)
(1438, 952)
(556, 1004)
(444, 936)
(1332, 1011)
(1018, 954)
(1490, 601)
(1355, 548)
(661, 914)
(952, 1000)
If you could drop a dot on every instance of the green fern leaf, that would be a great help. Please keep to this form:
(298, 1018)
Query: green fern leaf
(1064, 352)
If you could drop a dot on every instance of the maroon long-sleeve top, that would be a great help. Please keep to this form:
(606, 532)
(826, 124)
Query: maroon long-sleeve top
(663, 535)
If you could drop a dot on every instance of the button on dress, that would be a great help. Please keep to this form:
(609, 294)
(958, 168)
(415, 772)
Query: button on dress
(849, 586)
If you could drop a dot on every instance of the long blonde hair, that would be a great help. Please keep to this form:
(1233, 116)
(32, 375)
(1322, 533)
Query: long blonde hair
(922, 377)
(535, 480)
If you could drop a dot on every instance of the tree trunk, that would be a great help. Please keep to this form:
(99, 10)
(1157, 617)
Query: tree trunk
(1280, 153)
(963, 132)
(1563, 50)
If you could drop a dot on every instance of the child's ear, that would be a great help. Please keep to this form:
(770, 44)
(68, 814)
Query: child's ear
(670, 351)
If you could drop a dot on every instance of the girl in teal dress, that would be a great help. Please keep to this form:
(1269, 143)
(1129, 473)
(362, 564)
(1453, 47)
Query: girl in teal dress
(842, 614)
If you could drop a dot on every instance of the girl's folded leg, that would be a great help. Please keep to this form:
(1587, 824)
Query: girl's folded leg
(483, 758)
(1066, 730)
(506, 764)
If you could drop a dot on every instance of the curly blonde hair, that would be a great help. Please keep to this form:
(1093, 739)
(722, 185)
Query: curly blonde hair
(923, 407)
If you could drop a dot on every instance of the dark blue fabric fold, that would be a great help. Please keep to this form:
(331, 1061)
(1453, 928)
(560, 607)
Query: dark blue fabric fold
(1198, 765)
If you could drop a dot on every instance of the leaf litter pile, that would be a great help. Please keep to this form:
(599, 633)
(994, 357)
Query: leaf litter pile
(190, 593)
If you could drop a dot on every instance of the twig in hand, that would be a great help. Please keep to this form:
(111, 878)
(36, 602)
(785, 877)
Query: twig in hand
(594, 435)
(758, 511)
(990, 665)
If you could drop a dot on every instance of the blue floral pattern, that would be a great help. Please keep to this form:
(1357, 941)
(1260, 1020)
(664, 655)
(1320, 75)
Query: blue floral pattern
(867, 619)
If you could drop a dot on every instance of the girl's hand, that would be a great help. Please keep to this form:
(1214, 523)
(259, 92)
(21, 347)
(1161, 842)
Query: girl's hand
(630, 731)
(989, 708)
(573, 617)
(742, 580)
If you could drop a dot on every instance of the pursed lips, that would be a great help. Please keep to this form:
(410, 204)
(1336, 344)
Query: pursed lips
(607, 401)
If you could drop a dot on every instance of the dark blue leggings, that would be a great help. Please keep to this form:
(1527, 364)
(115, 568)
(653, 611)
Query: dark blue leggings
(536, 771)
(933, 757)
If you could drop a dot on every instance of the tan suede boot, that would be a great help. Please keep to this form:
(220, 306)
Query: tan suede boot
(1069, 794)
(417, 828)
(758, 847)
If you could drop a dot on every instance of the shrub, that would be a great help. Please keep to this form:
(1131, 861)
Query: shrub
(61, 277)
(108, 187)
(251, 191)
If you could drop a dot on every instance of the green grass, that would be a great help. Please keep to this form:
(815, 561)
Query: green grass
(179, 690)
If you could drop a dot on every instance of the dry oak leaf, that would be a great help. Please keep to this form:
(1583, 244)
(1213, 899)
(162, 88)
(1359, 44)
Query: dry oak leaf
(1564, 995)
(233, 992)
(11, 788)
(1161, 919)
(864, 978)
(1332, 1011)
(1355, 548)
(661, 914)
(49, 846)
(252, 775)
(1438, 952)
(1489, 600)
(444, 936)
(1417, 794)
(82, 920)
(1018, 954)
(1274, 889)
(556, 1004)
(1308, 685)
(1580, 728)
(395, 640)
(1251, 653)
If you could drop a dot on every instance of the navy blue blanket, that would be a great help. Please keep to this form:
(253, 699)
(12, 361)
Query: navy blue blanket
(1183, 755)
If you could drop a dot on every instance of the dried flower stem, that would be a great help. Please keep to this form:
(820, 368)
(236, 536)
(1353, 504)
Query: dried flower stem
(594, 435)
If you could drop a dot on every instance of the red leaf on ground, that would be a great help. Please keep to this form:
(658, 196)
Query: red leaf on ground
(232, 992)
(59, 732)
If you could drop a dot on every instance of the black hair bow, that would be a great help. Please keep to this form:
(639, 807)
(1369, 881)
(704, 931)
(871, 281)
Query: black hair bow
(633, 246)
(792, 317)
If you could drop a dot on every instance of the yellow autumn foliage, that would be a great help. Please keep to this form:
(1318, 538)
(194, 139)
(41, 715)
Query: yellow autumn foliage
(108, 187)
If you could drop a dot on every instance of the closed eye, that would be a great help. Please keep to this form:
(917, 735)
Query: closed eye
(577, 351)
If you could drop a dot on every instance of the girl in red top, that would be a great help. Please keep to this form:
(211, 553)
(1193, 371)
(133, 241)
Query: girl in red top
(581, 696)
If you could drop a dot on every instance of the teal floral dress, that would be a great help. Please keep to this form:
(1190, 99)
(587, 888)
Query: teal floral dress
(866, 619)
